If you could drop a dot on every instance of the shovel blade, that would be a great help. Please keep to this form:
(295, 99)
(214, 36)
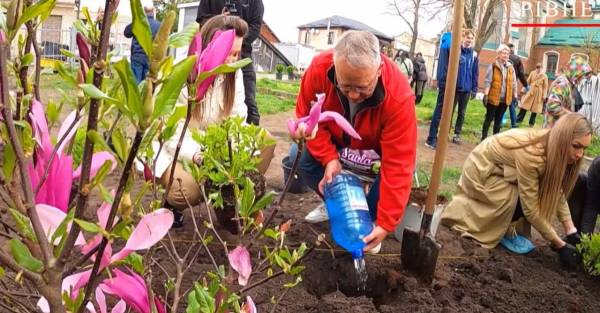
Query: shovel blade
(419, 256)
(409, 254)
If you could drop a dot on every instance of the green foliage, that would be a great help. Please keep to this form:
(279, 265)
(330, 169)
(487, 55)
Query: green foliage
(277, 85)
(212, 296)
(23, 224)
(230, 151)
(23, 256)
(140, 27)
(279, 68)
(133, 96)
(290, 69)
(184, 37)
(269, 104)
(590, 252)
(170, 90)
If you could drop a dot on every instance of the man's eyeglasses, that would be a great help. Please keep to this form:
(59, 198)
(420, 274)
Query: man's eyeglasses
(361, 90)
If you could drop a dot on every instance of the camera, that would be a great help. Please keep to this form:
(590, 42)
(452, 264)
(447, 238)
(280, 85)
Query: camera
(230, 7)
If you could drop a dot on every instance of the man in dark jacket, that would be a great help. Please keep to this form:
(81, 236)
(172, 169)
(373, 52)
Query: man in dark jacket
(466, 86)
(139, 59)
(250, 11)
(520, 71)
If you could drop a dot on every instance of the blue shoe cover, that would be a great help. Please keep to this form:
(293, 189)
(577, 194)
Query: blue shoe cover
(517, 244)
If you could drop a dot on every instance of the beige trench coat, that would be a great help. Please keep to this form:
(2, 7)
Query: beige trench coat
(533, 100)
(490, 185)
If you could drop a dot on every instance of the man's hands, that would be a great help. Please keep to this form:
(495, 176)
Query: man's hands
(332, 168)
(374, 238)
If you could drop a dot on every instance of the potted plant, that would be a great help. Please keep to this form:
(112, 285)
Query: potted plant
(290, 71)
(230, 157)
(279, 71)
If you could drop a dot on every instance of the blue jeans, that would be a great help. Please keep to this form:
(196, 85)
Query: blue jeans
(437, 117)
(513, 113)
(311, 171)
(140, 69)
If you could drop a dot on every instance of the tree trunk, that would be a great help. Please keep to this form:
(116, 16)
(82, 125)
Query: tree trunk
(53, 292)
(486, 26)
(415, 35)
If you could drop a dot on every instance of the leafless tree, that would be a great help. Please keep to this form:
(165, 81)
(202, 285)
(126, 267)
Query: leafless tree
(413, 12)
(479, 16)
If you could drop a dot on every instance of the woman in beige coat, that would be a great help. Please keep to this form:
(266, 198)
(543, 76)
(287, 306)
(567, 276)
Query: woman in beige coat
(520, 178)
(533, 100)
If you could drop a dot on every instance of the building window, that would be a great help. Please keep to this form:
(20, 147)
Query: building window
(330, 38)
(306, 37)
(585, 56)
(551, 60)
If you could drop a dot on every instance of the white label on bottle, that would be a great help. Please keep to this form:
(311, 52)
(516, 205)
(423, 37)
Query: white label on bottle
(357, 200)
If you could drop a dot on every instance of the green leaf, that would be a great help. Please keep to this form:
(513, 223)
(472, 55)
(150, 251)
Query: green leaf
(101, 174)
(294, 284)
(120, 144)
(68, 54)
(247, 198)
(270, 233)
(93, 92)
(23, 223)
(42, 8)
(263, 202)
(27, 59)
(90, 227)
(23, 256)
(184, 37)
(27, 140)
(97, 139)
(60, 68)
(10, 161)
(171, 88)
(52, 113)
(2, 272)
(205, 301)
(132, 93)
(136, 262)
(224, 69)
(62, 227)
(140, 27)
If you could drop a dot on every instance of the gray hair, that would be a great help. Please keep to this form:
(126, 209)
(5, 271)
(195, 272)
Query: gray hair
(359, 48)
(502, 47)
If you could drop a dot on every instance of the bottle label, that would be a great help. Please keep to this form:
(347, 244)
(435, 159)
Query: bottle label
(357, 199)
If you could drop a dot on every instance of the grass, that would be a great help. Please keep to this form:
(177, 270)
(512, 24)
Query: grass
(279, 85)
(474, 117)
(450, 176)
(269, 104)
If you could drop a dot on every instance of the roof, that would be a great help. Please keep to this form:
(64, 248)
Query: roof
(571, 36)
(344, 22)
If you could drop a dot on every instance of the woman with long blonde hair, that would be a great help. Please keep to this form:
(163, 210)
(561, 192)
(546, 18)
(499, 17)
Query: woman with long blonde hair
(521, 178)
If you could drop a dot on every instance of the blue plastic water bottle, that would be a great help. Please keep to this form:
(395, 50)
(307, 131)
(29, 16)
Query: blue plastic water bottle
(348, 211)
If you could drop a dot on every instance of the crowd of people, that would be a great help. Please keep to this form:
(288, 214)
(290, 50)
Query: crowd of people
(511, 181)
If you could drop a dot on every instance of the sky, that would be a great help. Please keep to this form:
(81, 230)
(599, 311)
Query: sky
(284, 16)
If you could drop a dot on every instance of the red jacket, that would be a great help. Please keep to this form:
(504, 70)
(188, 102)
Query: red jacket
(386, 123)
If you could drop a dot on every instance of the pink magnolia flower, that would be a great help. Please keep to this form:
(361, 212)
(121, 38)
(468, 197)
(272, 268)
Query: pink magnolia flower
(101, 300)
(2, 37)
(306, 127)
(151, 229)
(132, 289)
(249, 306)
(239, 259)
(84, 49)
(56, 188)
(212, 56)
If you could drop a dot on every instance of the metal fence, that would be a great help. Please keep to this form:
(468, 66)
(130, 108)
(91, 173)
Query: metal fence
(53, 41)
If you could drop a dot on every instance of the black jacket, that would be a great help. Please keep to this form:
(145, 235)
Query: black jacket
(136, 50)
(519, 70)
(420, 69)
(250, 11)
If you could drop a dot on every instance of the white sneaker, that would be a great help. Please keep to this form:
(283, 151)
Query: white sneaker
(375, 249)
(318, 215)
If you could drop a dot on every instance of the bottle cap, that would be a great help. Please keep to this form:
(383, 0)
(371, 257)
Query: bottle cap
(358, 254)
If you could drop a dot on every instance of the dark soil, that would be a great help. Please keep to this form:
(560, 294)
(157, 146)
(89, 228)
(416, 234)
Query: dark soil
(468, 278)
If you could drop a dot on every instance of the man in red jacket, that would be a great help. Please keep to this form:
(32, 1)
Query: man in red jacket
(367, 88)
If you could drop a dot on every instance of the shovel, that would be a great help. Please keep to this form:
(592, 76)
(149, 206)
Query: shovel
(419, 250)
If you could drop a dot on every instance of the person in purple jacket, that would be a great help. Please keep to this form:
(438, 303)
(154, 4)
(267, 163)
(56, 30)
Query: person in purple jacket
(466, 86)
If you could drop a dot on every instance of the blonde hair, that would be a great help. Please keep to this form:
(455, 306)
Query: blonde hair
(502, 47)
(467, 31)
(559, 176)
